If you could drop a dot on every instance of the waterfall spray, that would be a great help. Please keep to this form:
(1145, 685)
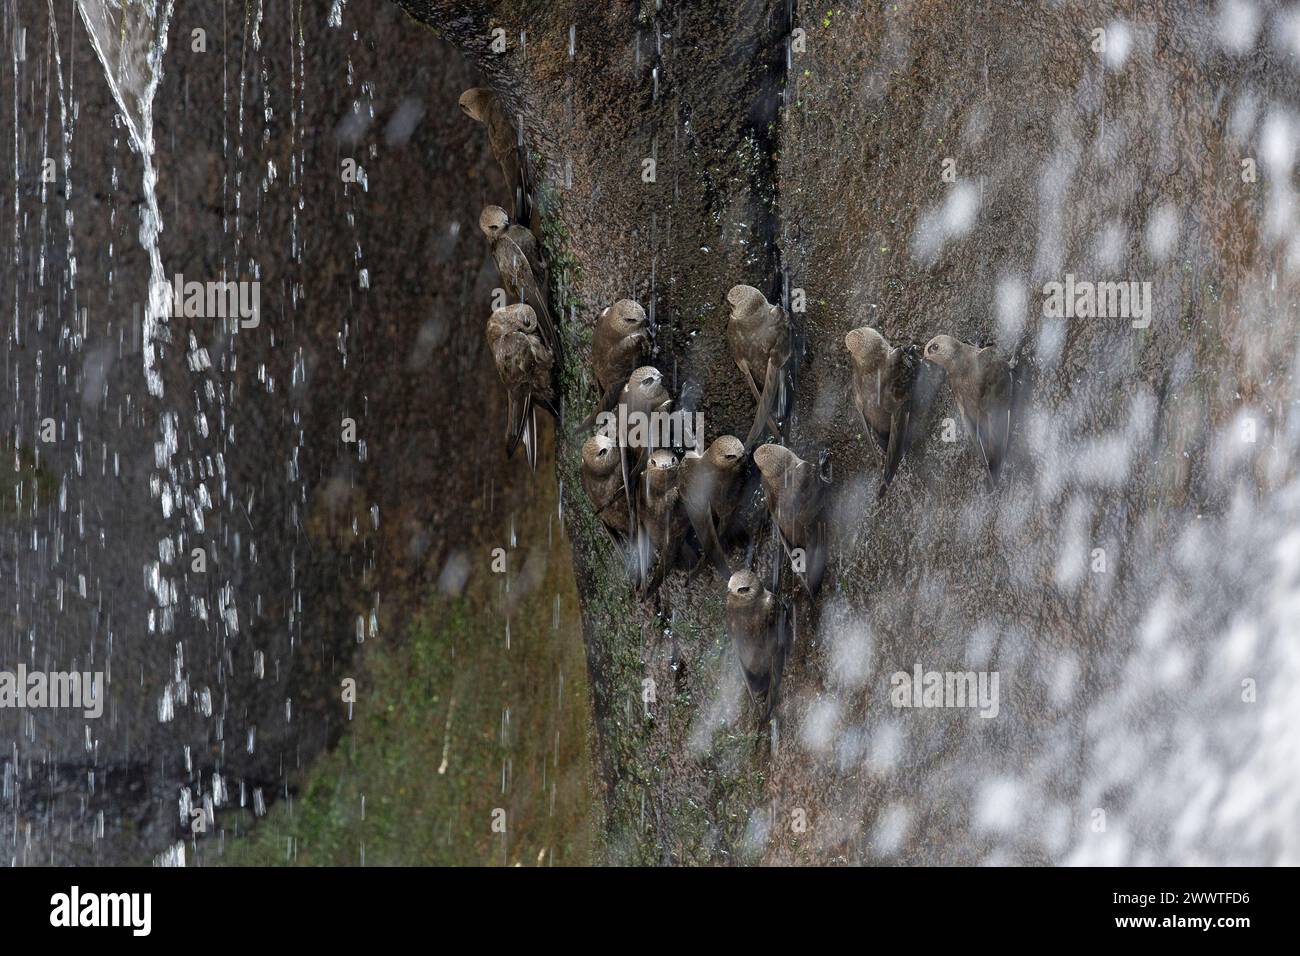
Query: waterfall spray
(130, 38)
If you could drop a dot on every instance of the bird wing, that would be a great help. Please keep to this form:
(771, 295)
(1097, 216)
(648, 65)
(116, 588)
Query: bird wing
(781, 641)
(527, 242)
(530, 434)
(899, 439)
(512, 262)
(993, 426)
(811, 524)
(704, 522)
(503, 137)
(772, 394)
(630, 498)
(813, 560)
(521, 424)
(920, 381)
(614, 496)
(526, 205)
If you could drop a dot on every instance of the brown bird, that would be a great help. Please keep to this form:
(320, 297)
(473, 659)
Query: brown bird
(602, 479)
(662, 520)
(620, 345)
(519, 262)
(711, 484)
(796, 494)
(524, 364)
(981, 383)
(758, 625)
(892, 388)
(505, 139)
(642, 396)
(759, 333)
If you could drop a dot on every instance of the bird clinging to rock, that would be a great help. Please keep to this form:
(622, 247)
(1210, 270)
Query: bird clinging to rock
(796, 495)
(892, 388)
(620, 344)
(602, 479)
(662, 520)
(524, 363)
(519, 262)
(710, 486)
(642, 396)
(758, 625)
(482, 105)
(981, 383)
(759, 333)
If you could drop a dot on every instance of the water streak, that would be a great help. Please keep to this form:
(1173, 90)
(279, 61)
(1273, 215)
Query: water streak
(130, 39)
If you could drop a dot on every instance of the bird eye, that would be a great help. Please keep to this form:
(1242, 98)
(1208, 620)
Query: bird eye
(601, 453)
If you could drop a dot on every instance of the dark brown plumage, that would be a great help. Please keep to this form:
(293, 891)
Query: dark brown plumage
(759, 334)
(620, 344)
(711, 485)
(758, 625)
(524, 364)
(892, 388)
(981, 382)
(796, 496)
(661, 517)
(519, 263)
(483, 106)
(602, 479)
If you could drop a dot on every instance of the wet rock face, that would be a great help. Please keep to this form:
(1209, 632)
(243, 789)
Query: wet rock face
(309, 538)
(933, 169)
(921, 169)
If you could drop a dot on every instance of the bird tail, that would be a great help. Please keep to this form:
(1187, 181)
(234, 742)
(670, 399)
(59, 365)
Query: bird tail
(522, 426)
(527, 209)
(771, 401)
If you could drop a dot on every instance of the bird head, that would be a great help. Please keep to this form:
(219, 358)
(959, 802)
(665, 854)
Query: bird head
(645, 379)
(599, 454)
(942, 350)
(519, 316)
(472, 103)
(728, 451)
(866, 346)
(626, 316)
(493, 221)
(525, 316)
(745, 299)
(663, 460)
(744, 586)
(773, 460)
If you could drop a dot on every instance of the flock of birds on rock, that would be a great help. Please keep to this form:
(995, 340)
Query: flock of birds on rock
(661, 509)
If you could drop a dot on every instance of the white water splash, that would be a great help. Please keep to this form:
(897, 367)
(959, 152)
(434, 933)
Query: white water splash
(130, 38)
